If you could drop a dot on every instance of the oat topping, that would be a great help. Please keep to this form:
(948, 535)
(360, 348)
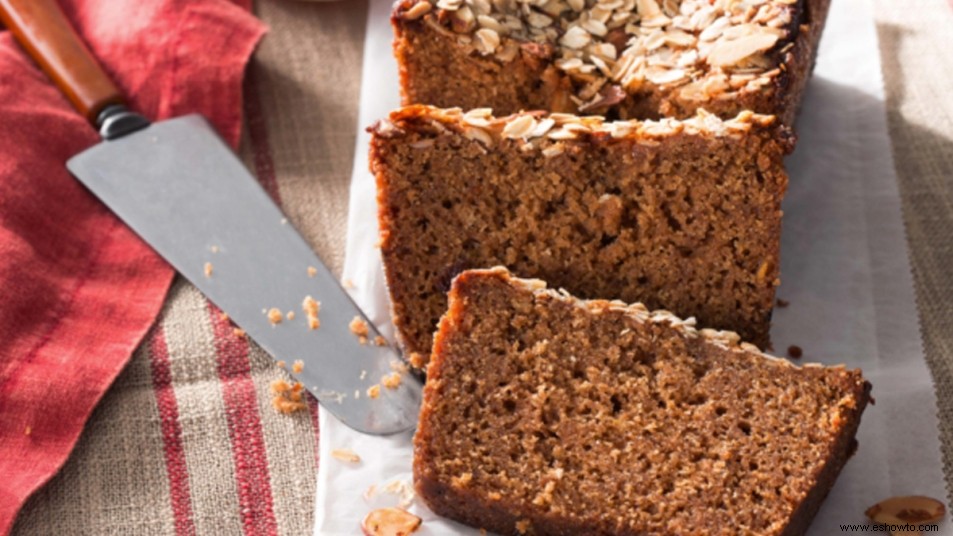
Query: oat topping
(390, 522)
(345, 455)
(704, 49)
(545, 131)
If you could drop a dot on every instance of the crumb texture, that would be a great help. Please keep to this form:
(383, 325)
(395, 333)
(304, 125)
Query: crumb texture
(546, 415)
(680, 217)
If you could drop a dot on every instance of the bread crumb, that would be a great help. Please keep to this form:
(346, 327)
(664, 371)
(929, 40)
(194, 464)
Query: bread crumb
(288, 398)
(281, 363)
(290, 315)
(380, 341)
(297, 367)
(208, 269)
(239, 332)
(311, 309)
(359, 327)
(416, 360)
(275, 316)
(462, 480)
(345, 455)
(391, 381)
(312, 271)
(374, 391)
(795, 351)
(522, 526)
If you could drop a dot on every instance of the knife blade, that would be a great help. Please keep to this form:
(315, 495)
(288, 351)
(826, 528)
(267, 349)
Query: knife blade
(182, 189)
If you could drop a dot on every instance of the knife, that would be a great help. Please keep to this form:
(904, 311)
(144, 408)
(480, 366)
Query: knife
(184, 192)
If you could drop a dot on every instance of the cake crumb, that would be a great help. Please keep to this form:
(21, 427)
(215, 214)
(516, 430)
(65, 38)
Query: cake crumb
(391, 381)
(462, 480)
(795, 351)
(281, 363)
(399, 366)
(224, 316)
(357, 393)
(345, 455)
(290, 315)
(275, 316)
(28, 431)
(239, 332)
(297, 367)
(416, 360)
(214, 249)
(311, 309)
(288, 397)
(312, 271)
(380, 341)
(522, 526)
(783, 303)
(358, 326)
(374, 391)
(494, 496)
(208, 269)
(349, 283)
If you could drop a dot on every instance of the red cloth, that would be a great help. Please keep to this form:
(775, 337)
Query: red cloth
(78, 290)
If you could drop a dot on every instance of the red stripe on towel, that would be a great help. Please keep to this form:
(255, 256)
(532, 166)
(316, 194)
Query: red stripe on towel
(176, 468)
(244, 428)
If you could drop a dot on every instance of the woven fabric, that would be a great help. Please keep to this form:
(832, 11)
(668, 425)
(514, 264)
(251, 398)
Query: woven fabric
(186, 435)
(916, 48)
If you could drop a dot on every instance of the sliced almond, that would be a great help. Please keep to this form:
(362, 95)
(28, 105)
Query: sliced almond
(390, 522)
(909, 509)
(729, 52)
(417, 10)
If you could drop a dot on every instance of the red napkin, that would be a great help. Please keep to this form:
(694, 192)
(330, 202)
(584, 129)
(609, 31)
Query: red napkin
(78, 290)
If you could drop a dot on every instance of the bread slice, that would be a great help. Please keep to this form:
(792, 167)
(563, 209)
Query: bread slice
(544, 414)
(622, 58)
(681, 215)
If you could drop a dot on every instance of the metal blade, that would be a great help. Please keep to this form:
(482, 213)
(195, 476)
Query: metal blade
(180, 187)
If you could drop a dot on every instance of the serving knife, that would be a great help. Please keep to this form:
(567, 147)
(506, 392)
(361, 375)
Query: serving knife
(184, 192)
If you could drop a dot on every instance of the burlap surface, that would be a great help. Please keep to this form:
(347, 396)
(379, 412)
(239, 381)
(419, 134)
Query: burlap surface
(186, 442)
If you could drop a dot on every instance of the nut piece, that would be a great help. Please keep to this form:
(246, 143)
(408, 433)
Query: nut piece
(390, 522)
(912, 509)
(345, 455)
(417, 10)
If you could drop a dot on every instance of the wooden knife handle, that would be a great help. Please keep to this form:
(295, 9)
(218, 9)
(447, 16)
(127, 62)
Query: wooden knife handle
(48, 37)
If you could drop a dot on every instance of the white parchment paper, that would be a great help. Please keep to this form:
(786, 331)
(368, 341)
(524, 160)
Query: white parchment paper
(845, 272)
